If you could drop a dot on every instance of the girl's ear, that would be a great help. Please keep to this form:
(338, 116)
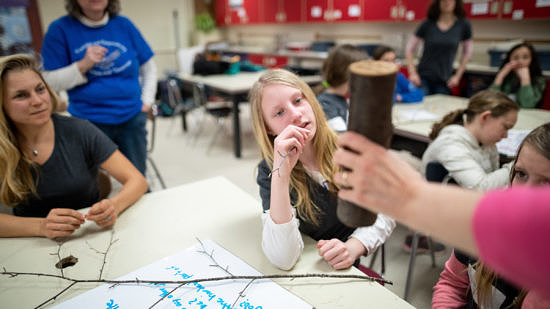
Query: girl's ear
(484, 116)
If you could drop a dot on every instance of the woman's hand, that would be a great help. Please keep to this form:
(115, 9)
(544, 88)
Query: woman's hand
(288, 146)
(415, 79)
(377, 178)
(338, 254)
(103, 213)
(61, 222)
(453, 81)
(94, 54)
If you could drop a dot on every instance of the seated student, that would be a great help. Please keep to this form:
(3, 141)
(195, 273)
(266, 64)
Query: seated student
(464, 143)
(296, 177)
(336, 81)
(405, 91)
(466, 282)
(520, 76)
(49, 163)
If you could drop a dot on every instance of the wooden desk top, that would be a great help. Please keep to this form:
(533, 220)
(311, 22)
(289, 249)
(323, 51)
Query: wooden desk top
(163, 223)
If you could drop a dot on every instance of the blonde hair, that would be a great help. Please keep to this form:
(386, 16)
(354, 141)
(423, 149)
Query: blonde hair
(324, 141)
(487, 100)
(15, 166)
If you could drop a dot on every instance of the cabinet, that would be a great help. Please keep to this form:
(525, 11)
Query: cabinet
(347, 10)
(282, 11)
(520, 9)
(230, 12)
(268, 61)
(395, 10)
(488, 9)
(317, 10)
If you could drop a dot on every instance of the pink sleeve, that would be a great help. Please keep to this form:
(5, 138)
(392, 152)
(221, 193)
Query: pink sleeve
(512, 231)
(452, 288)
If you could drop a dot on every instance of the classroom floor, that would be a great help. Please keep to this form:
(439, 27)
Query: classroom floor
(184, 157)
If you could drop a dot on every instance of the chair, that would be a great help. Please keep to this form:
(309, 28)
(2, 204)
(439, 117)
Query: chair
(435, 172)
(220, 110)
(382, 249)
(152, 117)
(176, 101)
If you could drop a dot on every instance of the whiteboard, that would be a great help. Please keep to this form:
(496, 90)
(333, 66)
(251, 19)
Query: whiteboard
(186, 265)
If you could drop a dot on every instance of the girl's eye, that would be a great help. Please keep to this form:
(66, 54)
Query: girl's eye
(20, 96)
(298, 100)
(279, 113)
(40, 89)
(520, 175)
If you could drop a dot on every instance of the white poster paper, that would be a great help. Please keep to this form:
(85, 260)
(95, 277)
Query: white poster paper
(509, 146)
(186, 265)
(542, 3)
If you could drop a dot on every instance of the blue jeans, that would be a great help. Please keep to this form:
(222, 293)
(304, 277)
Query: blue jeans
(434, 87)
(131, 138)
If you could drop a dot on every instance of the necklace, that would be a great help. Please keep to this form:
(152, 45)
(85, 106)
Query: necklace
(35, 152)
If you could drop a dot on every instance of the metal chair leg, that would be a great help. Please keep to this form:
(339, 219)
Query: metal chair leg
(219, 128)
(414, 246)
(383, 269)
(431, 246)
(157, 173)
(373, 258)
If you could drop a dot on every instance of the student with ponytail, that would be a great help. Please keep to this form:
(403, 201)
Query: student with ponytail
(464, 141)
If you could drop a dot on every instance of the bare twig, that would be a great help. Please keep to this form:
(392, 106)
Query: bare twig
(249, 277)
(211, 256)
(56, 295)
(163, 297)
(104, 253)
(279, 167)
(59, 244)
(241, 293)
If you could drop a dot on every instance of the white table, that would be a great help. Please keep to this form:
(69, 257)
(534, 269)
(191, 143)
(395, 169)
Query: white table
(236, 88)
(163, 223)
(417, 131)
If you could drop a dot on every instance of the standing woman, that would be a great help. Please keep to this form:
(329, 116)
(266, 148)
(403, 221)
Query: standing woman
(441, 33)
(100, 58)
(49, 162)
(520, 76)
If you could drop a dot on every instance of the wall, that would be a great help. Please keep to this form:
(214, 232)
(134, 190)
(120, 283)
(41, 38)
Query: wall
(394, 34)
(153, 18)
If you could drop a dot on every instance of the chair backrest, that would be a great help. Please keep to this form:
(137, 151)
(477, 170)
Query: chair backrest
(436, 172)
(546, 97)
(199, 94)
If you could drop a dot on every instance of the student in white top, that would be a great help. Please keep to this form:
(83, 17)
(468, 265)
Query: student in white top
(464, 141)
(296, 177)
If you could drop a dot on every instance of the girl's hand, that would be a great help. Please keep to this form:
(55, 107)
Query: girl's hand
(336, 253)
(506, 69)
(288, 146)
(61, 222)
(103, 213)
(523, 75)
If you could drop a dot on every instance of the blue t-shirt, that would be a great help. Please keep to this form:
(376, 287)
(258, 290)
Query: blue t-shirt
(408, 91)
(112, 94)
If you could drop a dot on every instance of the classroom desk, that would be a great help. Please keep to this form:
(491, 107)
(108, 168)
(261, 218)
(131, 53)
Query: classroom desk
(163, 223)
(235, 87)
(412, 135)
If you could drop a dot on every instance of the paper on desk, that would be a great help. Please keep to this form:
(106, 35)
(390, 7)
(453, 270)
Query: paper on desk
(509, 146)
(186, 265)
(415, 115)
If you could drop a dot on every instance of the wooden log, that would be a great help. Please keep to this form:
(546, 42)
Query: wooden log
(372, 84)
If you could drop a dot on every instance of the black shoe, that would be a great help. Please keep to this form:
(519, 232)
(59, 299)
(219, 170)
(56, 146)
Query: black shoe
(423, 246)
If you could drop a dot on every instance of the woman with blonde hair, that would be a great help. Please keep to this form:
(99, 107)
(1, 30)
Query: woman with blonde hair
(50, 162)
(465, 281)
(296, 177)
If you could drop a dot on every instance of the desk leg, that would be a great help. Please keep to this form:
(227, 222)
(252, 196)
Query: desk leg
(236, 127)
